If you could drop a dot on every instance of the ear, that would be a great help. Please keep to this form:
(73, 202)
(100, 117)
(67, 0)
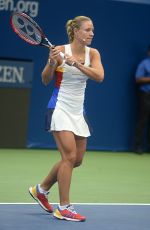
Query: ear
(75, 30)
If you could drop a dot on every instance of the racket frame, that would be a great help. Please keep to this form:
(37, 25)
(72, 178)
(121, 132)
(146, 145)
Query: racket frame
(43, 37)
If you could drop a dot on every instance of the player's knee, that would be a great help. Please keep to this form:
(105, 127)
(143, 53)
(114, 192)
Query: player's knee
(72, 159)
(77, 163)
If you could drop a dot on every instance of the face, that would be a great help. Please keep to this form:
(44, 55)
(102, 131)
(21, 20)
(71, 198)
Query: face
(85, 33)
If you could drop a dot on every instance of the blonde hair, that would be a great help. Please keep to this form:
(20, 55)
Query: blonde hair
(75, 23)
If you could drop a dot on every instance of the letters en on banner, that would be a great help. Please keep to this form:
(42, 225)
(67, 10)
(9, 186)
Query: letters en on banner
(16, 74)
(29, 7)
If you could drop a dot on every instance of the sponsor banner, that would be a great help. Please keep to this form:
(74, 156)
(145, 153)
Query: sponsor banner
(16, 74)
(29, 7)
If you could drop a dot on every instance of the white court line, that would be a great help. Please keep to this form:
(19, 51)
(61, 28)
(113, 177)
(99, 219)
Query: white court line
(133, 204)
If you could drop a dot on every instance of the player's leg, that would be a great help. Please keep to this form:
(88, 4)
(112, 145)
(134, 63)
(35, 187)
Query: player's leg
(61, 172)
(76, 159)
(67, 145)
(51, 178)
(81, 143)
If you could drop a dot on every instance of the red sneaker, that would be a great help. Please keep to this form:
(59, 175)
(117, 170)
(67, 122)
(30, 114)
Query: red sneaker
(68, 214)
(41, 198)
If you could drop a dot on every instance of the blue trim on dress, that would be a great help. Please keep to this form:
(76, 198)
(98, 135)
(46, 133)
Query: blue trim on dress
(53, 99)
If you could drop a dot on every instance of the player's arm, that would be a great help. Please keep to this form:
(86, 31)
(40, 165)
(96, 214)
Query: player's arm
(54, 60)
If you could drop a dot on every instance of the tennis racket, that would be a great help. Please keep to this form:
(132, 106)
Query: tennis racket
(27, 29)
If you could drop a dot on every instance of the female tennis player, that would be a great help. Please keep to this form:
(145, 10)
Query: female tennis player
(66, 118)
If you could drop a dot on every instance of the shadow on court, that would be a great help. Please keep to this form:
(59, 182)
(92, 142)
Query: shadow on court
(103, 217)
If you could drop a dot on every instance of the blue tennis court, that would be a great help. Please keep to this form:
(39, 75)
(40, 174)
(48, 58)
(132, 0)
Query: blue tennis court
(99, 216)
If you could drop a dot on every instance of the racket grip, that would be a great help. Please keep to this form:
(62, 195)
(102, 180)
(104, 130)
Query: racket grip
(62, 55)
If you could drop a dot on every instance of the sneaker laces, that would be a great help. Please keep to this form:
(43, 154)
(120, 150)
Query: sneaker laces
(46, 196)
(71, 209)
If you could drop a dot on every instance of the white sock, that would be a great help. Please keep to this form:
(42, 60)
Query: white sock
(62, 207)
(42, 190)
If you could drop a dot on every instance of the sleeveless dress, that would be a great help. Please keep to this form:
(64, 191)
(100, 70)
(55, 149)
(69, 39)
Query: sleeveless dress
(66, 105)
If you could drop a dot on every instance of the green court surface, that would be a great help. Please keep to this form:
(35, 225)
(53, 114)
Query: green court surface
(104, 177)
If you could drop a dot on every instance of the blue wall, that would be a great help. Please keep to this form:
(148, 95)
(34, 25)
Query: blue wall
(121, 35)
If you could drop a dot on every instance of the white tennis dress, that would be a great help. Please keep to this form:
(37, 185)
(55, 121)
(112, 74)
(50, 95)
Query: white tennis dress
(67, 101)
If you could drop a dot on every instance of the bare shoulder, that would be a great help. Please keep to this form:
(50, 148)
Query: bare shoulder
(94, 53)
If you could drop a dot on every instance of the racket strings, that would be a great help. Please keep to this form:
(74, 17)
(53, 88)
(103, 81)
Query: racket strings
(26, 29)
